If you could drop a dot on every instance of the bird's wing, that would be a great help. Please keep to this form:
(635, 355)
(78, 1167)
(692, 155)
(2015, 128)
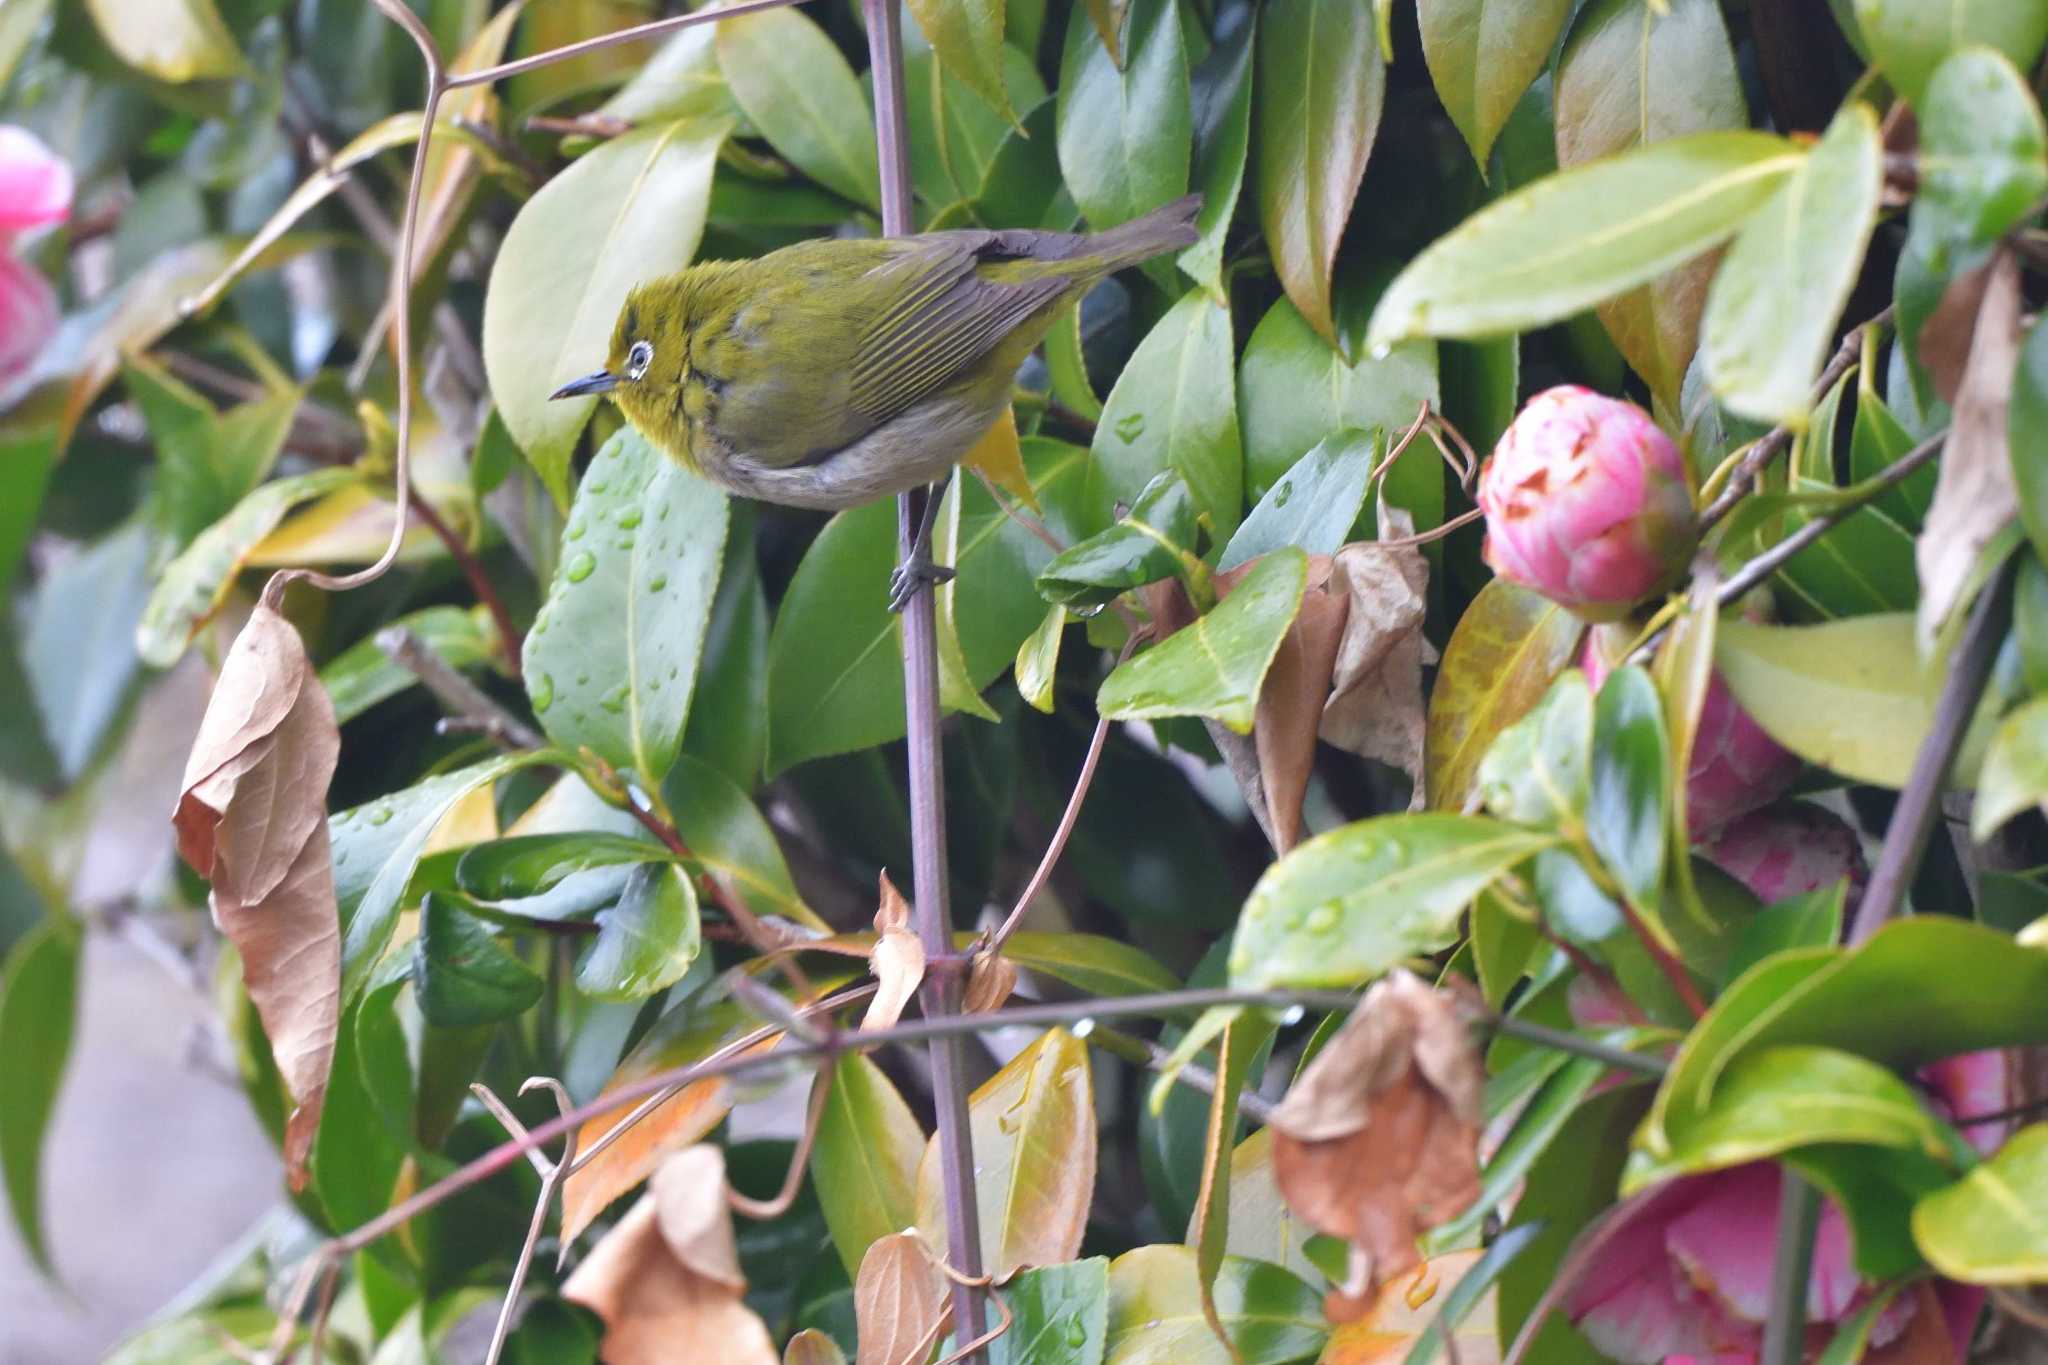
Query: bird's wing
(940, 317)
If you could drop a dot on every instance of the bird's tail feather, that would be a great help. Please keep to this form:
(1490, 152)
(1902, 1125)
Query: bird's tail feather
(1163, 229)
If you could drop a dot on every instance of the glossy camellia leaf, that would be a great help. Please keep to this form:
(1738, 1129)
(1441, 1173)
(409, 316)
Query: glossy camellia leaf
(1482, 54)
(967, 35)
(1214, 666)
(1125, 134)
(530, 864)
(1155, 540)
(1502, 656)
(1262, 1227)
(171, 40)
(1033, 1126)
(1919, 990)
(728, 726)
(864, 1166)
(38, 1004)
(1771, 313)
(1990, 1228)
(681, 79)
(1983, 151)
(192, 587)
(1774, 1099)
(1315, 504)
(957, 134)
(462, 975)
(797, 89)
(1038, 660)
(362, 675)
(1535, 1128)
(1297, 392)
(627, 212)
(1348, 905)
(1909, 39)
(1876, 1189)
(731, 840)
(835, 659)
(1584, 235)
(207, 461)
(611, 661)
(1625, 816)
(1088, 962)
(26, 459)
(1221, 89)
(647, 940)
(1174, 408)
(1852, 696)
(1539, 771)
(1321, 86)
(1060, 1312)
(2015, 772)
(1155, 1312)
(1021, 188)
(1811, 920)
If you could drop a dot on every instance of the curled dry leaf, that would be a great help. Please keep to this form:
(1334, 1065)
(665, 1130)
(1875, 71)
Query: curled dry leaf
(898, 961)
(1974, 495)
(991, 978)
(899, 1301)
(1376, 709)
(1944, 346)
(252, 819)
(1292, 696)
(666, 1279)
(1378, 1140)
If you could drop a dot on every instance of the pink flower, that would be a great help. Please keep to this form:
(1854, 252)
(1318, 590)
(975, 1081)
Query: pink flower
(1687, 1280)
(28, 315)
(1586, 501)
(1788, 850)
(1735, 766)
(35, 183)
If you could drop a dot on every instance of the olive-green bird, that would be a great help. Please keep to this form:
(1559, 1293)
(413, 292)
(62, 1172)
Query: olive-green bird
(835, 371)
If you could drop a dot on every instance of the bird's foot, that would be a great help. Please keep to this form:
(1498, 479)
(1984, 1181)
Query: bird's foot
(913, 576)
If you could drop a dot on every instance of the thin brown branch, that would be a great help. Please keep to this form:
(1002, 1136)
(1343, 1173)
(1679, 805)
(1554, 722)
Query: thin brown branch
(552, 1174)
(468, 702)
(511, 642)
(1673, 970)
(814, 1113)
(604, 40)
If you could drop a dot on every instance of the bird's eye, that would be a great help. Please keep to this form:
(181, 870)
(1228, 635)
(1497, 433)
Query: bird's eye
(638, 358)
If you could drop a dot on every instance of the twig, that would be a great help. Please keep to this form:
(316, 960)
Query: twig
(464, 698)
(603, 40)
(975, 1282)
(1673, 970)
(1905, 838)
(1153, 1057)
(510, 641)
(581, 125)
(761, 1209)
(552, 1173)
(1784, 1340)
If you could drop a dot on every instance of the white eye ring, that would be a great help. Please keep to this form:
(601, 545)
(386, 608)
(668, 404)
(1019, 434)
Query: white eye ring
(638, 357)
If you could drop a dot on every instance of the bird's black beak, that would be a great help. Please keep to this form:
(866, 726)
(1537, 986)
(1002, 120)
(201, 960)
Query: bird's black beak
(604, 381)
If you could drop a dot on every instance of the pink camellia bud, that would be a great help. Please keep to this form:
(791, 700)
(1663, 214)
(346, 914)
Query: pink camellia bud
(1735, 766)
(35, 183)
(1586, 501)
(1789, 849)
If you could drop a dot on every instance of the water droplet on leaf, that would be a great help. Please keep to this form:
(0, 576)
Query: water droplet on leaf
(579, 566)
(542, 692)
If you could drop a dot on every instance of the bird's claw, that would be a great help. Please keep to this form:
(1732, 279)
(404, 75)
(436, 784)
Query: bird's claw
(911, 577)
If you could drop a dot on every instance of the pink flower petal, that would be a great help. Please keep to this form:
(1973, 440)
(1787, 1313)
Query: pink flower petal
(28, 315)
(35, 183)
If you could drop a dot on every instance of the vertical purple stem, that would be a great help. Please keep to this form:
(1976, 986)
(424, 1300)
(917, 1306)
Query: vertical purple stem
(941, 992)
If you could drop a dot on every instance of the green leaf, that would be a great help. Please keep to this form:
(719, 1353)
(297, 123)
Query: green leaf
(1214, 666)
(1876, 1189)
(2015, 772)
(1155, 1311)
(730, 839)
(1583, 235)
(1989, 1227)
(1535, 1128)
(1088, 962)
(1625, 816)
(1038, 660)
(1811, 920)
(26, 458)
(1155, 540)
(362, 675)
(1173, 407)
(1346, 906)
(865, 1162)
(1125, 135)
(1771, 313)
(531, 864)
(2025, 421)
(1297, 392)
(728, 726)
(681, 80)
(835, 670)
(376, 848)
(1483, 54)
(1314, 504)
(1502, 656)
(1059, 1312)
(461, 975)
(626, 212)
(1022, 189)
(1033, 1126)
(207, 461)
(796, 88)
(611, 661)
(172, 40)
(1775, 1099)
(19, 21)
(1502, 944)
(1983, 151)
(192, 587)
(1852, 1337)
(1909, 39)
(1321, 84)
(38, 1004)
(1221, 90)
(1919, 990)
(79, 647)
(956, 133)
(967, 35)
(645, 942)
(1852, 696)
(1539, 771)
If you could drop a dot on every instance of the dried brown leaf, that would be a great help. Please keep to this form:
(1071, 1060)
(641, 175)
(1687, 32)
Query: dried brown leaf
(658, 1311)
(899, 1301)
(252, 819)
(1378, 1140)
(1376, 709)
(695, 1220)
(1383, 1330)
(1944, 346)
(812, 1347)
(991, 978)
(898, 961)
(1974, 496)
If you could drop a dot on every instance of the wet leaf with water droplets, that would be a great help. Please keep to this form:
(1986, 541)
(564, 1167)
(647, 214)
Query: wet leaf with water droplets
(1155, 1311)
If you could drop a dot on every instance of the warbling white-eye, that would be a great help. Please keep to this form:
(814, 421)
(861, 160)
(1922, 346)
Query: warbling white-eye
(835, 371)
